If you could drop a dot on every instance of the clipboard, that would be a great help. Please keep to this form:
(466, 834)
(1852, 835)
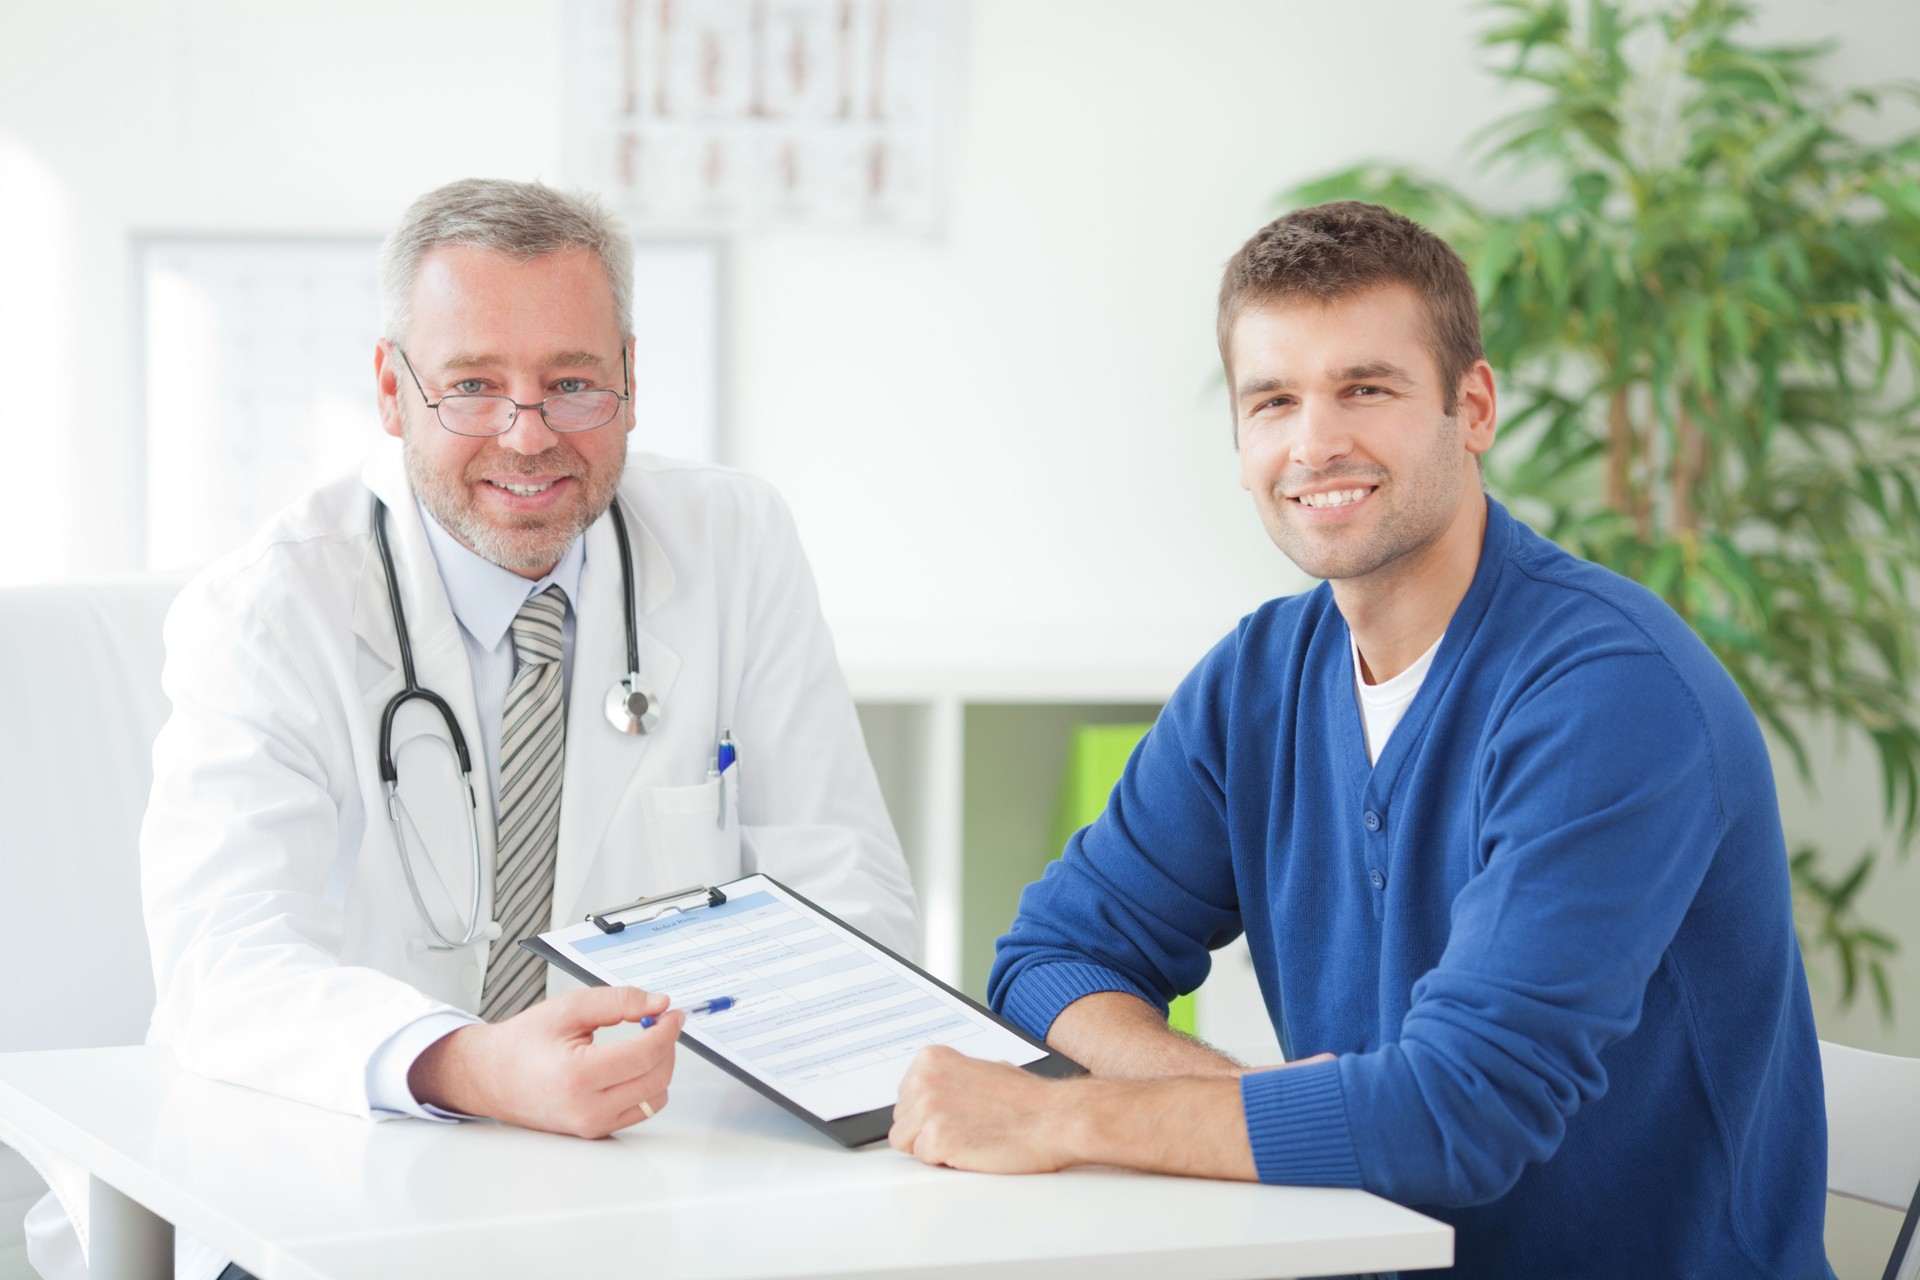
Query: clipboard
(667, 928)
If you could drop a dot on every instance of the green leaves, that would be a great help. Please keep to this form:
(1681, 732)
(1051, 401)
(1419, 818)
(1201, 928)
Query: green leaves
(1829, 921)
(1737, 274)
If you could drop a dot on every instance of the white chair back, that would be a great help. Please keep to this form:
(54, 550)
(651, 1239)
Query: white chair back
(1873, 1136)
(80, 703)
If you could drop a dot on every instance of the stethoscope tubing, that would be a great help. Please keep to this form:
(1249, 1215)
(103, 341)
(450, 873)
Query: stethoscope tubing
(477, 930)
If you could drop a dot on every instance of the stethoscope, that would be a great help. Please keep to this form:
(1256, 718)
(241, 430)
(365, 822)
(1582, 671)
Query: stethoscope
(631, 708)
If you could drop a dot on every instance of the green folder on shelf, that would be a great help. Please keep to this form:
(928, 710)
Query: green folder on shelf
(1096, 756)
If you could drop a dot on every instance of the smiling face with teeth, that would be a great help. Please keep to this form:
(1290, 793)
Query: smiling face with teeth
(486, 323)
(1358, 472)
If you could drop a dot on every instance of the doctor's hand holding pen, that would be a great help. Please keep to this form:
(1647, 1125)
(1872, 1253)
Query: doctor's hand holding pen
(542, 1069)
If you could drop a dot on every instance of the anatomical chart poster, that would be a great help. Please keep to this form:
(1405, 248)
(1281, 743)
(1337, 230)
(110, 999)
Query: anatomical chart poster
(740, 115)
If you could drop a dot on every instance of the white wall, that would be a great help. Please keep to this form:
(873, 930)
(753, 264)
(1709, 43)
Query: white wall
(1023, 420)
(1014, 426)
(1003, 441)
(118, 116)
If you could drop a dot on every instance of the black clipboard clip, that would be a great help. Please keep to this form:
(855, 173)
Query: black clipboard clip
(696, 895)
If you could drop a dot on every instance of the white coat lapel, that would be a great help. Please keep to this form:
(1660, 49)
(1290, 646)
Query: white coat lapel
(601, 761)
(440, 666)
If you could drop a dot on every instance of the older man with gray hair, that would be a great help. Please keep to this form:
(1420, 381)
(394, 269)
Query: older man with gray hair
(506, 675)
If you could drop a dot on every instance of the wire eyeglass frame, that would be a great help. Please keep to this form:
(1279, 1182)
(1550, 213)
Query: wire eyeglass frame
(513, 415)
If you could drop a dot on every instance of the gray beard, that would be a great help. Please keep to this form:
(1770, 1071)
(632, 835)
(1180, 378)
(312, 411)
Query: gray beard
(534, 546)
(516, 550)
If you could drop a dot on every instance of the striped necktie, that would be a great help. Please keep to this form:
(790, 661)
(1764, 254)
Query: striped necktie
(533, 744)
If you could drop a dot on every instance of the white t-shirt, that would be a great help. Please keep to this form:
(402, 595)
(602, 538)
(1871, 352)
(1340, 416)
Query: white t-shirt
(1382, 705)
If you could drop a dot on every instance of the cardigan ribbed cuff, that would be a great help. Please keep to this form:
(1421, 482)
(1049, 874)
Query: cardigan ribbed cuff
(1039, 994)
(1297, 1124)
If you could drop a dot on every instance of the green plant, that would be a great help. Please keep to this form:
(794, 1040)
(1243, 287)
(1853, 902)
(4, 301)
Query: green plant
(1709, 335)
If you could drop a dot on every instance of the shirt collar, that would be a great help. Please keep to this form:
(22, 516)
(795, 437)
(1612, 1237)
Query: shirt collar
(486, 597)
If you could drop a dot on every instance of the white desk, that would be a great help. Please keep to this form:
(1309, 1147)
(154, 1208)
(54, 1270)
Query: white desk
(722, 1184)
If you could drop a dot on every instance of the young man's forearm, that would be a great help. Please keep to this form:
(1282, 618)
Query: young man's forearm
(1121, 1037)
(1192, 1127)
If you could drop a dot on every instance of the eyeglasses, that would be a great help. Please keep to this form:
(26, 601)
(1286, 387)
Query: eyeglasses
(569, 411)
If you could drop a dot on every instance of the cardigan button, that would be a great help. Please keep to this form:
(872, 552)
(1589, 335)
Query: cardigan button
(1379, 879)
(1372, 821)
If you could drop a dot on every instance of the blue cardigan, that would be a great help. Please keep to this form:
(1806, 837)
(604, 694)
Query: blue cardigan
(1549, 934)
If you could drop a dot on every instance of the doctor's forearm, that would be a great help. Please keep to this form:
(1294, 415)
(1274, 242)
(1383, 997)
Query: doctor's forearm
(442, 1075)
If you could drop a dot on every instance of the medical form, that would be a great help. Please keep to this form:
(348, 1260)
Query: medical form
(820, 1015)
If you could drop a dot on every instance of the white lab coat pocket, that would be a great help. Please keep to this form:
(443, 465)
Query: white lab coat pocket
(693, 833)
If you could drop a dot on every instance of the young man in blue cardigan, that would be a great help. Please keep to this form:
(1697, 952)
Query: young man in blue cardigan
(1500, 831)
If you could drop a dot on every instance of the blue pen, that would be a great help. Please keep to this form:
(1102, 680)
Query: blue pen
(715, 1005)
(725, 755)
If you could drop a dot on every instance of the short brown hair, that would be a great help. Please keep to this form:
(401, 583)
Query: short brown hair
(1333, 251)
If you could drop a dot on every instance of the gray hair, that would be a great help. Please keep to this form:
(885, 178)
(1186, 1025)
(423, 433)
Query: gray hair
(525, 219)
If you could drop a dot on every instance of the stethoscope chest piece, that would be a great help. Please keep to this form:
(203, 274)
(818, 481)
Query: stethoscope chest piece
(631, 706)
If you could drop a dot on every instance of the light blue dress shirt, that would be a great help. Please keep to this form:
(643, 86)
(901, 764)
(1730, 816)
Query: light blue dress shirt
(485, 598)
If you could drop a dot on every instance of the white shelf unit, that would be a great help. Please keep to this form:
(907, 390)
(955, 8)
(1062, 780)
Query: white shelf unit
(969, 758)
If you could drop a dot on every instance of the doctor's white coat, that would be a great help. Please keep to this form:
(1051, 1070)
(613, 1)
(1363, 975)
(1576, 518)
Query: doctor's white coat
(286, 947)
